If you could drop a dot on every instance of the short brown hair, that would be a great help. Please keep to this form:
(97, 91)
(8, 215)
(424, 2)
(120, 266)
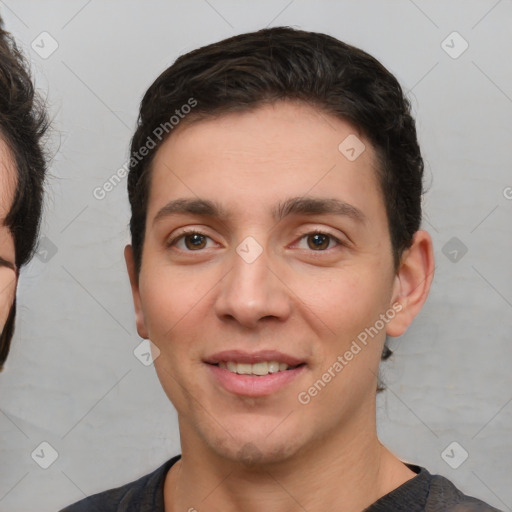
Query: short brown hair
(249, 70)
(23, 122)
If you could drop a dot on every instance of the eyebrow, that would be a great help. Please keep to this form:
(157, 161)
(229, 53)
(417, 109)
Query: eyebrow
(291, 206)
(317, 206)
(8, 264)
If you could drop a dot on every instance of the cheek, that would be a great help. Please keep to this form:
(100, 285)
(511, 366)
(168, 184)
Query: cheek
(173, 306)
(7, 293)
(347, 300)
(169, 301)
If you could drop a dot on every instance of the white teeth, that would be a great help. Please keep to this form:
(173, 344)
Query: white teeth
(273, 367)
(244, 368)
(261, 368)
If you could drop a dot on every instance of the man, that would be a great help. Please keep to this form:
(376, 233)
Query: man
(23, 123)
(275, 186)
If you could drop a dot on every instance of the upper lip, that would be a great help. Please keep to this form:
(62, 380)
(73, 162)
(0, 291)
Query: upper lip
(241, 356)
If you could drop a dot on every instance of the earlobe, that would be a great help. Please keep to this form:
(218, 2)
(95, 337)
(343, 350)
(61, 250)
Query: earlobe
(134, 283)
(412, 282)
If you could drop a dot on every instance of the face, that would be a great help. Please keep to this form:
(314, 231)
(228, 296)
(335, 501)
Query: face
(8, 276)
(265, 244)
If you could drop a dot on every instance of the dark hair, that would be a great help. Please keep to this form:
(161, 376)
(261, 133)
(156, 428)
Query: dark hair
(249, 70)
(23, 123)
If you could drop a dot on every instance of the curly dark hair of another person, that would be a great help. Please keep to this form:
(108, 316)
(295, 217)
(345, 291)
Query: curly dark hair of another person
(23, 123)
(249, 70)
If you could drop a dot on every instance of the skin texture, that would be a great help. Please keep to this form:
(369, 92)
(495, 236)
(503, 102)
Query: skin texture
(8, 277)
(249, 453)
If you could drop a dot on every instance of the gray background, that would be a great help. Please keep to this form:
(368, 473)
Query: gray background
(72, 379)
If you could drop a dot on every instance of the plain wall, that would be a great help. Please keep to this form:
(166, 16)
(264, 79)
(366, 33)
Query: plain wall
(72, 379)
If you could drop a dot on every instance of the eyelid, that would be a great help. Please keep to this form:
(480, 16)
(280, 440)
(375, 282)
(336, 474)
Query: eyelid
(340, 241)
(173, 239)
(7, 264)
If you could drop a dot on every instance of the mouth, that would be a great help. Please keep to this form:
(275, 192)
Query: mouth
(254, 374)
(259, 369)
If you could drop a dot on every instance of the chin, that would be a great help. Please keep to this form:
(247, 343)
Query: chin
(255, 451)
(254, 456)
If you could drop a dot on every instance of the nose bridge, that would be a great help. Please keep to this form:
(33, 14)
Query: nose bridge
(252, 290)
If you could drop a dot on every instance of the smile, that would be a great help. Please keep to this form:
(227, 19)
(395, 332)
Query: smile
(259, 369)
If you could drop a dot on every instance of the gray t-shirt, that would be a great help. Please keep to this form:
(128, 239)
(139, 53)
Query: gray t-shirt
(422, 493)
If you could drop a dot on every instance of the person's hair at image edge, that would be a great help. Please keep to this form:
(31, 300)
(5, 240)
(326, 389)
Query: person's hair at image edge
(249, 70)
(23, 122)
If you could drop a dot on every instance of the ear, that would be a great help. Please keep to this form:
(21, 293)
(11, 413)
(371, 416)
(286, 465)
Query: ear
(412, 282)
(134, 283)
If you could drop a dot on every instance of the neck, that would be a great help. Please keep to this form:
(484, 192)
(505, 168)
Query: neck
(346, 471)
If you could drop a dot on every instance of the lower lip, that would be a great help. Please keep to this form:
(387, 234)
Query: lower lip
(250, 385)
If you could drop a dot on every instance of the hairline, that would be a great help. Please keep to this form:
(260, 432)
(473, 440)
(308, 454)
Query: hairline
(377, 161)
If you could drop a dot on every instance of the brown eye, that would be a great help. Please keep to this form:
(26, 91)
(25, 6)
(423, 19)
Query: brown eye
(190, 240)
(318, 241)
(194, 241)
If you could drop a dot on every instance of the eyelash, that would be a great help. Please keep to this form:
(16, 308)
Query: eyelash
(188, 232)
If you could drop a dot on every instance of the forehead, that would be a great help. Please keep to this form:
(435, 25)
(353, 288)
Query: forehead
(257, 157)
(7, 179)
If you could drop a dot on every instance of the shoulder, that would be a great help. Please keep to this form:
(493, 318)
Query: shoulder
(144, 494)
(443, 496)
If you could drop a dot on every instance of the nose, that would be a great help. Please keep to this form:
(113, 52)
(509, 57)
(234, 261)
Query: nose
(253, 291)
